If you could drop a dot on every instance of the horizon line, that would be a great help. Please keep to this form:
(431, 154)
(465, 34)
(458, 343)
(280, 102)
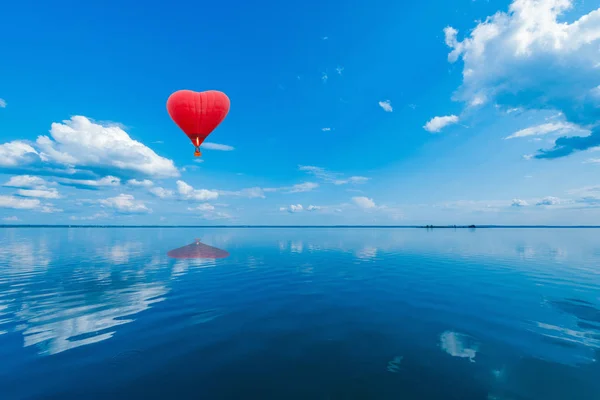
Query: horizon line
(472, 226)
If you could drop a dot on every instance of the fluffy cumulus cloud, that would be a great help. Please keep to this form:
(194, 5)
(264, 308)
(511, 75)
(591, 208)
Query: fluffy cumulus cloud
(293, 208)
(26, 181)
(526, 58)
(17, 153)
(519, 203)
(364, 202)
(436, 124)
(549, 201)
(161, 192)
(216, 146)
(386, 105)
(296, 208)
(20, 203)
(143, 183)
(189, 193)
(32, 186)
(125, 203)
(80, 142)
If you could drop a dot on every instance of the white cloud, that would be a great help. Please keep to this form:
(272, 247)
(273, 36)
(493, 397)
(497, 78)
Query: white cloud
(386, 105)
(17, 153)
(339, 70)
(549, 201)
(19, 203)
(161, 192)
(25, 181)
(40, 193)
(216, 146)
(331, 177)
(189, 193)
(2, 103)
(545, 129)
(103, 182)
(81, 142)
(326, 129)
(125, 203)
(526, 58)
(312, 208)
(519, 203)
(251, 193)
(324, 77)
(436, 124)
(303, 187)
(209, 212)
(10, 219)
(202, 207)
(293, 208)
(89, 218)
(144, 183)
(352, 179)
(364, 202)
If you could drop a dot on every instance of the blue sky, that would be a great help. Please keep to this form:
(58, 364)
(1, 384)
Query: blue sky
(460, 112)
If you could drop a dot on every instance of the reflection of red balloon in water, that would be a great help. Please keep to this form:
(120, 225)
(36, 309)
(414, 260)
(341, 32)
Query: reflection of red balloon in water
(197, 250)
(198, 113)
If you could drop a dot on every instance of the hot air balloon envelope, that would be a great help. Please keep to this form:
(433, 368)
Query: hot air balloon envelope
(198, 113)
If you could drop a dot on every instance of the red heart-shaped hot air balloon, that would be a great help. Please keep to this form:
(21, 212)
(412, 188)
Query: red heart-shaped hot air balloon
(198, 113)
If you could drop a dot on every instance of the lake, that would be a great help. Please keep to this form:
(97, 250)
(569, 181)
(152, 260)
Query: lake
(104, 313)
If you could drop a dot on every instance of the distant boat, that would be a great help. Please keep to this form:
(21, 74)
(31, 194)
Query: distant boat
(198, 250)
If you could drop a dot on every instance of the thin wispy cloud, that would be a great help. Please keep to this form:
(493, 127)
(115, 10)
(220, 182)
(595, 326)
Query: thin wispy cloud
(326, 129)
(107, 181)
(324, 77)
(2, 103)
(332, 177)
(303, 187)
(386, 105)
(339, 70)
(216, 146)
(39, 193)
(548, 128)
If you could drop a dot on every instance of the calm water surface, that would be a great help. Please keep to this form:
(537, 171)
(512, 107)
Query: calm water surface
(300, 314)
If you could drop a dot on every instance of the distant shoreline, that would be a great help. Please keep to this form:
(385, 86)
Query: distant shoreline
(314, 226)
